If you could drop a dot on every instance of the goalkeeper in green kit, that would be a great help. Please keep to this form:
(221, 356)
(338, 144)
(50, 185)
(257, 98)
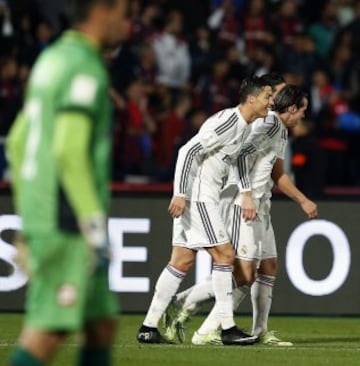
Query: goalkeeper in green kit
(59, 153)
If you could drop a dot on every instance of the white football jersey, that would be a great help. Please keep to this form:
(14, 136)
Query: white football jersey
(265, 144)
(204, 162)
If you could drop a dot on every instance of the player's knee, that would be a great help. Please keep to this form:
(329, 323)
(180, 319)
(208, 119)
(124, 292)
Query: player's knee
(225, 256)
(182, 264)
(244, 278)
(269, 267)
(182, 259)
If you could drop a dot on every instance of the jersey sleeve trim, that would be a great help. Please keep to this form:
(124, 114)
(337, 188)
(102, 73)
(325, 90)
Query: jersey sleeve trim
(186, 169)
(227, 125)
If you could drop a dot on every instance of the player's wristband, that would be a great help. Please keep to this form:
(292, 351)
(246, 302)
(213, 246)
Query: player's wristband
(94, 230)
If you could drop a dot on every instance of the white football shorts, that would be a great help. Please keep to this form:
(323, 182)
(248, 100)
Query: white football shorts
(252, 240)
(200, 226)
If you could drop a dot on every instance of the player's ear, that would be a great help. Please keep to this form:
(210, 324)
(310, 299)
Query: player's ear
(250, 99)
(292, 109)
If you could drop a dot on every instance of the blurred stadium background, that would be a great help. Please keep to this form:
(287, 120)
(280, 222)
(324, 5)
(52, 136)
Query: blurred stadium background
(184, 60)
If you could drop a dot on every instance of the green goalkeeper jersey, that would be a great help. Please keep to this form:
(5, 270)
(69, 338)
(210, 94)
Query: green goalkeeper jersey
(69, 80)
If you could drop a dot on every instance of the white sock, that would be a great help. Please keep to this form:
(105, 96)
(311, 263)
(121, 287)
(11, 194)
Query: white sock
(222, 285)
(212, 322)
(200, 292)
(261, 298)
(166, 287)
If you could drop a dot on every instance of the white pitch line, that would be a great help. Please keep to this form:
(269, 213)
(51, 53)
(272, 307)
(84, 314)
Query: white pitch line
(258, 348)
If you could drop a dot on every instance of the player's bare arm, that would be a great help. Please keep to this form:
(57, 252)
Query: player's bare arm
(248, 207)
(287, 187)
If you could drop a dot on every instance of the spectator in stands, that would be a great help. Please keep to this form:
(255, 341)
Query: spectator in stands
(237, 70)
(172, 54)
(201, 54)
(143, 23)
(10, 102)
(255, 27)
(44, 36)
(341, 63)
(322, 92)
(196, 119)
(263, 60)
(307, 161)
(287, 23)
(214, 93)
(323, 31)
(138, 128)
(302, 58)
(11, 94)
(170, 136)
(25, 40)
(225, 24)
(146, 69)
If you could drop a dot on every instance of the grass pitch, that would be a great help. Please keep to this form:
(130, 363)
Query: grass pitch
(317, 342)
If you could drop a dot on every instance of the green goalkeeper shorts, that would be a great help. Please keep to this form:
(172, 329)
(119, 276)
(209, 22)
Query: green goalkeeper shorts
(64, 292)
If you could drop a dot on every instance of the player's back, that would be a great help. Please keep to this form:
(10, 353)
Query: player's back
(268, 153)
(67, 77)
(227, 130)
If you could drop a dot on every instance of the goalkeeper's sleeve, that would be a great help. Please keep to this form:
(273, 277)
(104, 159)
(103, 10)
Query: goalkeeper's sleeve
(71, 146)
(15, 146)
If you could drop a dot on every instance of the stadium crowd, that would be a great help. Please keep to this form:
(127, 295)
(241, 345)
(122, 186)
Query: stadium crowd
(184, 60)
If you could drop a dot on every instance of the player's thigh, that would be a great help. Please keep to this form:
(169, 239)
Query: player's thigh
(59, 265)
(243, 236)
(204, 226)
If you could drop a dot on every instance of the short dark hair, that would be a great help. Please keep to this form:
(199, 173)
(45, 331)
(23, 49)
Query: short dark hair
(288, 96)
(79, 9)
(250, 86)
(273, 79)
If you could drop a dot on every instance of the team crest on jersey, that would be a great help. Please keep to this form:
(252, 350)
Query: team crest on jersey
(67, 295)
(243, 249)
(221, 234)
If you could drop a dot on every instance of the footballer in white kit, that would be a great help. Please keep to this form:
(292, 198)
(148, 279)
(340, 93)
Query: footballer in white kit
(201, 172)
(253, 240)
(270, 136)
(219, 140)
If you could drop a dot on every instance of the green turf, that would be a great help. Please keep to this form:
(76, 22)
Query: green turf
(317, 342)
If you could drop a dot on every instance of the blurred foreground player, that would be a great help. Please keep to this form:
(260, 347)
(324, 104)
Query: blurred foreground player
(59, 152)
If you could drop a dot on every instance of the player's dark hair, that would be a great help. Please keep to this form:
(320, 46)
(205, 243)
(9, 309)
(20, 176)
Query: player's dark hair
(79, 9)
(250, 86)
(273, 79)
(288, 96)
